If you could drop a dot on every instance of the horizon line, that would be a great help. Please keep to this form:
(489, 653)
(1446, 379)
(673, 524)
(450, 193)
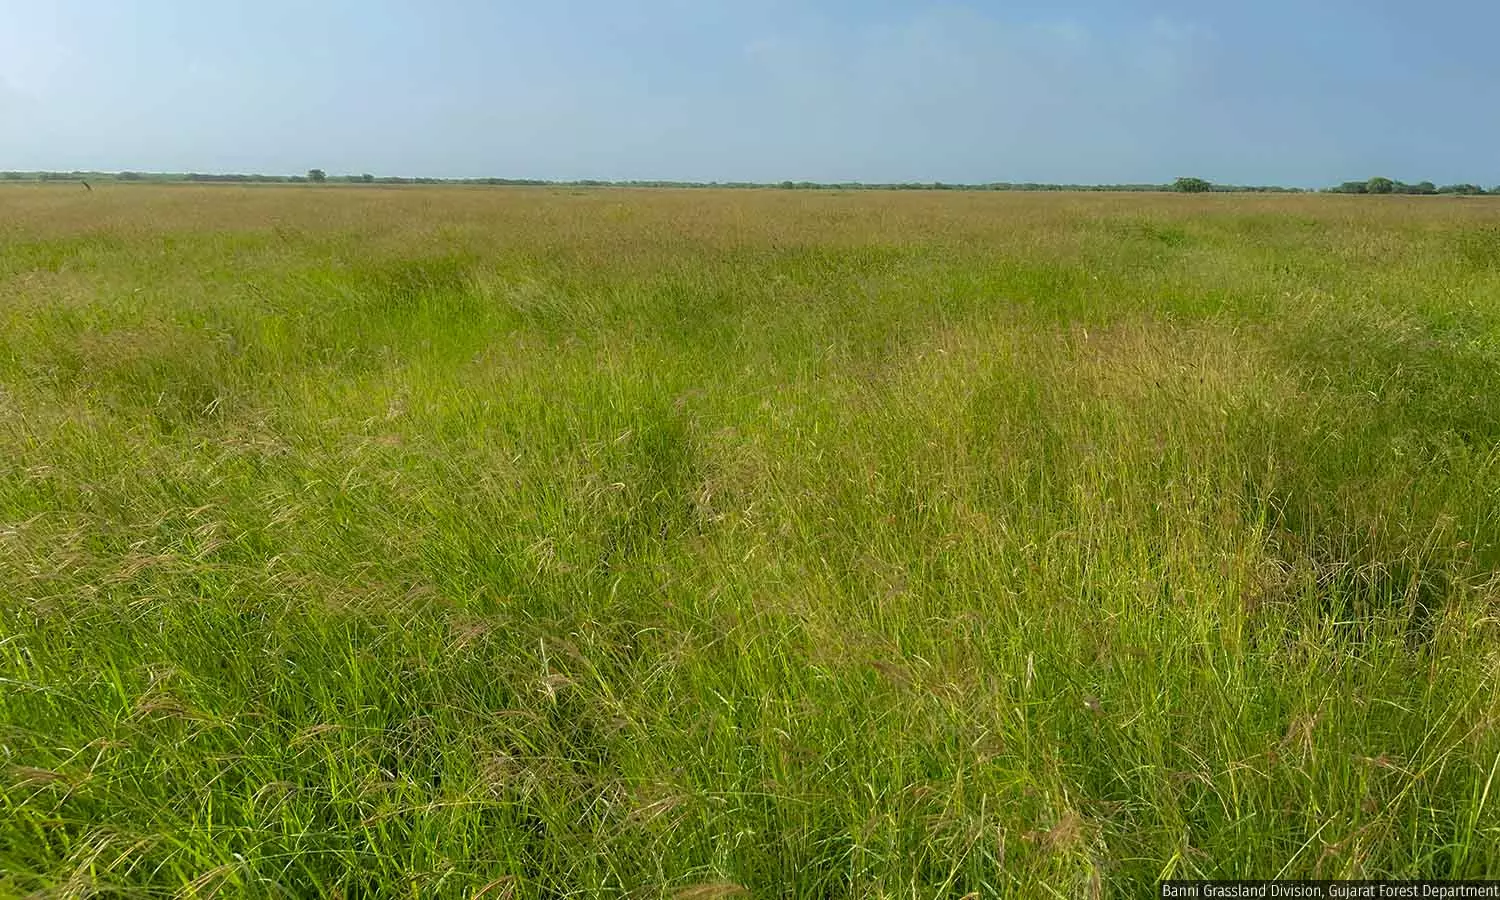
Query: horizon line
(139, 175)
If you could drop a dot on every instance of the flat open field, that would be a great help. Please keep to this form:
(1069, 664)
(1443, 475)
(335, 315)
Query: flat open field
(542, 543)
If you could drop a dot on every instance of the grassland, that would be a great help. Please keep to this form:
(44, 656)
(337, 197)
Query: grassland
(545, 543)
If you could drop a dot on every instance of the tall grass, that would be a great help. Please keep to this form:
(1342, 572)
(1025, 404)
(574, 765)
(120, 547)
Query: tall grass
(548, 543)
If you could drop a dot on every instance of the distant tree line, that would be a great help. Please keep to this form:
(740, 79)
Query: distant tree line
(319, 176)
(1378, 185)
(1382, 185)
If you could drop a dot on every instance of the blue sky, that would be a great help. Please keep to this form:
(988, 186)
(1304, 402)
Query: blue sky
(1274, 91)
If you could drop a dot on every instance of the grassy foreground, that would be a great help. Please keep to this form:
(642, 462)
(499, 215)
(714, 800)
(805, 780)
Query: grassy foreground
(548, 543)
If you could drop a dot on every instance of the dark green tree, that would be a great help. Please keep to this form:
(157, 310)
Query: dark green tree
(1379, 185)
(317, 176)
(1192, 186)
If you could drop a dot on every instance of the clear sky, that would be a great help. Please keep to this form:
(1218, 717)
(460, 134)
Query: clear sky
(1295, 92)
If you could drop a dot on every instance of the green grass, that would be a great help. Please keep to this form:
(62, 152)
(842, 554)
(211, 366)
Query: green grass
(543, 544)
